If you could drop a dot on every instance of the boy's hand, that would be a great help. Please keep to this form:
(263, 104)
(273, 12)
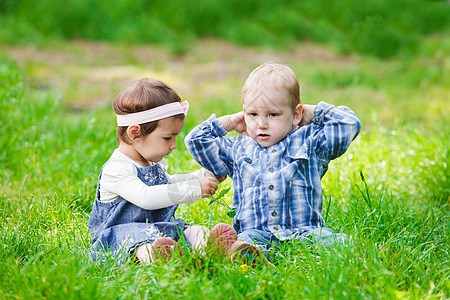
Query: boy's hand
(234, 122)
(208, 185)
(307, 115)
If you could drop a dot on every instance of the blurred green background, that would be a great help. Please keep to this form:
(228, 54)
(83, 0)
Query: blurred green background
(377, 27)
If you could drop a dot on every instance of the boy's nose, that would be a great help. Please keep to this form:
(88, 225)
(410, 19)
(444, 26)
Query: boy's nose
(173, 145)
(262, 123)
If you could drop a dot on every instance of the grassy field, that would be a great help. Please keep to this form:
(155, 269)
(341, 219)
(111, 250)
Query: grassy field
(57, 129)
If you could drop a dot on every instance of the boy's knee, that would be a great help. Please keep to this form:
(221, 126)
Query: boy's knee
(245, 236)
(330, 239)
(255, 237)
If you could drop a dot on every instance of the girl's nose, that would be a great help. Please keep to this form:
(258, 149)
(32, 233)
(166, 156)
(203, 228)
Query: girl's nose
(173, 145)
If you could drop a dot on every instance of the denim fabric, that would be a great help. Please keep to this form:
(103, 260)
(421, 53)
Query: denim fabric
(321, 236)
(120, 226)
(259, 238)
(277, 189)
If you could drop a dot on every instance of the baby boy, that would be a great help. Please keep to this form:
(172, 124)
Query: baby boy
(279, 159)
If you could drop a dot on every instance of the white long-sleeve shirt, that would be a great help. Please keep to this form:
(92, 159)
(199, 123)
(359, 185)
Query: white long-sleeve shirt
(119, 178)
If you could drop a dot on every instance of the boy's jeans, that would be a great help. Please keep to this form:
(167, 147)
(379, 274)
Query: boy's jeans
(321, 235)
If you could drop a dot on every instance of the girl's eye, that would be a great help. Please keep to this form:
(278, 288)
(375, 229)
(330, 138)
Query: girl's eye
(167, 138)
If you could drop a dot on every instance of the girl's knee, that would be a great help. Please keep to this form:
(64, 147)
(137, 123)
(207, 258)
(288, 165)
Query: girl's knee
(143, 253)
(197, 236)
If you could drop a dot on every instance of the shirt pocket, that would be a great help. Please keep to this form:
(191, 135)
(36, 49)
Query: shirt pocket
(299, 194)
(299, 202)
(248, 170)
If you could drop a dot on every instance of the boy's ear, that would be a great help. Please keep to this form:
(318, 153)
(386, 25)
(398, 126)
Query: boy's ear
(133, 131)
(298, 113)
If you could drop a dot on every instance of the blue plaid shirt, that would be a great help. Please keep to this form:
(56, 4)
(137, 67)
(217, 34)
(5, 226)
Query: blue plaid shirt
(277, 189)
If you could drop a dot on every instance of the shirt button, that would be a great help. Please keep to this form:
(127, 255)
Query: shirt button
(273, 151)
(248, 160)
(271, 187)
(274, 214)
(271, 169)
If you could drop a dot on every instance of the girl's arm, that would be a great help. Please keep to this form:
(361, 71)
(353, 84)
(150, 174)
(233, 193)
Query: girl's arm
(186, 176)
(120, 179)
(135, 191)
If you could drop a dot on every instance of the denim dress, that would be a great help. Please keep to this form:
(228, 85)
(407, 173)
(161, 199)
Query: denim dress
(119, 226)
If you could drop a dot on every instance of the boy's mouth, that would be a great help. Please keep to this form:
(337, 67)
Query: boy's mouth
(263, 136)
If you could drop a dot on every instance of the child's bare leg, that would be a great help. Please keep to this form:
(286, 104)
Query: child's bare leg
(162, 248)
(143, 253)
(197, 236)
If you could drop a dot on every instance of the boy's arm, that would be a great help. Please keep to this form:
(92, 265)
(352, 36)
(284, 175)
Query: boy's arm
(340, 126)
(208, 147)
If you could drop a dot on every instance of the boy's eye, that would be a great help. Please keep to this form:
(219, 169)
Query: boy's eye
(167, 138)
(273, 115)
(253, 114)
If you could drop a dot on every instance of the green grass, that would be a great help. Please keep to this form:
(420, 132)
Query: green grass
(398, 214)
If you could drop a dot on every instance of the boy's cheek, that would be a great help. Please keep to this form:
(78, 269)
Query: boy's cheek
(250, 126)
(248, 123)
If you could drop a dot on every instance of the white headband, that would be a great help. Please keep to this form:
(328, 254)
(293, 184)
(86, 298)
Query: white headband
(157, 113)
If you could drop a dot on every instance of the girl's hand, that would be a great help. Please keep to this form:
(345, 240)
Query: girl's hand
(220, 178)
(307, 115)
(208, 185)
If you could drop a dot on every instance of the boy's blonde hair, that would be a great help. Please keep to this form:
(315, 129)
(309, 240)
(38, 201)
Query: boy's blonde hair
(142, 95)
(273, 76)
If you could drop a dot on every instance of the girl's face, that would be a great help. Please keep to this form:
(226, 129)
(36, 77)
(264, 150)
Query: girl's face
(152, 148)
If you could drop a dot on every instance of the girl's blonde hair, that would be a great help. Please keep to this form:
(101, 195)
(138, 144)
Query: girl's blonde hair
(142, 95)
(273, 76)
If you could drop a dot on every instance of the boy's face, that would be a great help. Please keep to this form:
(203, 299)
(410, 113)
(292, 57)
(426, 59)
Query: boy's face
(269, 117)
